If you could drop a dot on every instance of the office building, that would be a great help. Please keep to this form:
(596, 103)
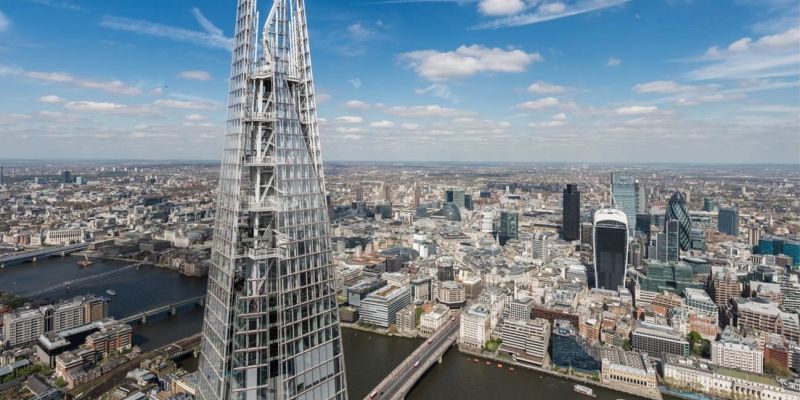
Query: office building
(674, 277)
(66, 176)
(610, 248)
(773, 245)
(569, 350)
(430, 322)
(271, 329)
(734, 351)
(623, 193)
(406, 319)
(709, 204)
(473, 285)
(676, 210)
(451, 294)
(380, 308)
(456, 196)
(509, 227)
(728, 221)
(526, 340)
(671, 242)
(628, 368)
(475, 326)
(421, 290)
(643, 223)
(657, 340)
(571, 213)
(641, 198)
(724, 287)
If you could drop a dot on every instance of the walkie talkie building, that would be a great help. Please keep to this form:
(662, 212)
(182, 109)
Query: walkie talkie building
(271, 329)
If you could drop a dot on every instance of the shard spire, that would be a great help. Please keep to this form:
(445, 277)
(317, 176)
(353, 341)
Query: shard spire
(271, 328)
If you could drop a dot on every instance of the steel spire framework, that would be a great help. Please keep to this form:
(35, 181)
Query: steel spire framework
(271, 329)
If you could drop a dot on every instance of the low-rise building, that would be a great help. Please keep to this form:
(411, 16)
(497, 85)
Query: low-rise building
(526, 340)
(628, 368)
(431, 321)
(380, 307)
(474, 328)
(700, 376)
(658, 340)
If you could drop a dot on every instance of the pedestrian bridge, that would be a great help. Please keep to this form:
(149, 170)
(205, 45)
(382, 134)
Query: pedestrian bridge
(400, 381)
(171, 308)
(33, 255)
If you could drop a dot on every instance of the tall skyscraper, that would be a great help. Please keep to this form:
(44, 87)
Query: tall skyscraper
(509, 227)
(2, 177)
(571, 202)
(641, 198)
(623, 192)
(672, 230)
(676, 210)
(271, 329)
(610, 248)
(455, 196)
(728, 221)
(66, 176)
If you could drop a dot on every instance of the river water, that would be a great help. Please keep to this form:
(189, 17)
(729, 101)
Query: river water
(368, 357)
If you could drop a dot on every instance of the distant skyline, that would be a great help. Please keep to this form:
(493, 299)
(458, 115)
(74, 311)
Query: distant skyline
(595, 81)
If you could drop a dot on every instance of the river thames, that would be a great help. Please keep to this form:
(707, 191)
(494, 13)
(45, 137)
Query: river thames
(368, 357)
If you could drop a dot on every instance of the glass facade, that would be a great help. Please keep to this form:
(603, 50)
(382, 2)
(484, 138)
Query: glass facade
(271, 329)
(509, 227)
(610, 249)
(571, 225)
(728, 221)
(623, 191)
(676, 210)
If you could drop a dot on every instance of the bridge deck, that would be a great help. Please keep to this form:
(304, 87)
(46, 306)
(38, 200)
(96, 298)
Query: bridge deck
(400, 381)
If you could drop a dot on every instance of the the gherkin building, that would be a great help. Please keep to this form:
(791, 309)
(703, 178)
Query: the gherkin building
(676, 209)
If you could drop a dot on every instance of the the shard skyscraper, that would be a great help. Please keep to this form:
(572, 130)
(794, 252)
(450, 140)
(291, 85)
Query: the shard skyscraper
(271, 329)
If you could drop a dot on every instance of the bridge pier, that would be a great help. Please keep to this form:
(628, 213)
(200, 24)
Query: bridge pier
(33, 259)
(172, 311)
(63, 254)
(202, 302)
(440, 360)
(144, 319)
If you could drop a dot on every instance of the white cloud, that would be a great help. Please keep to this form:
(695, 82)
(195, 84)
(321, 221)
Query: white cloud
(382, 124)
(195, 117)
(93, 106)
(708, 98)
(539, 104)
(211, 36)
(4, 22)
(409, 126)
(613, 62)
(540, 87)
(769, 56)
(560, 117)
(547, 124)
(185, 104)
(439, 90)
(357, 105)
(552, 8)
(467, 61)
(424, 111)
(51, 99)
(662, 87)
(197, 75)
(350, 119)
(112, 86)
(636, 110)
(501, 7)
(550, 11)
(355, 82)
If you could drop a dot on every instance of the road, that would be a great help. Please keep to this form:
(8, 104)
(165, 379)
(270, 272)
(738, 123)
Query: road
(427, 354)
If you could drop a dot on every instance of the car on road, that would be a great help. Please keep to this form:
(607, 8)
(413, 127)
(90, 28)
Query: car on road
(416, 364)
(430, 341)
(372, 396)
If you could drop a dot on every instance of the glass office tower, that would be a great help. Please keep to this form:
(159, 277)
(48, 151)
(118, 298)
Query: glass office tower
(676, 210)
(271, 328)
(623, 192)
(610, 248)
(571, 204)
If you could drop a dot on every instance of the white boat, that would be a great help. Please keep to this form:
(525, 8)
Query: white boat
(584, 390)
(111, 292)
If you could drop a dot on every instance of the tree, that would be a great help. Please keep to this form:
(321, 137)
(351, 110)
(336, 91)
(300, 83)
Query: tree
(772, 367)
(627, 345)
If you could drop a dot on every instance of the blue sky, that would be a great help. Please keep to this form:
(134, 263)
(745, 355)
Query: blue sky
(482, 80)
